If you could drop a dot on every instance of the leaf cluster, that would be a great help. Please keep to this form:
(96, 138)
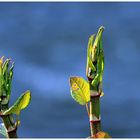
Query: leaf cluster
(6, 74)
(80, 88)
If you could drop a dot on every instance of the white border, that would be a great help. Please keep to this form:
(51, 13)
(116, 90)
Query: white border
(69, 1)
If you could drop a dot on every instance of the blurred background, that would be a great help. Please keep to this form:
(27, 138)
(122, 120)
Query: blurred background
(48, 43)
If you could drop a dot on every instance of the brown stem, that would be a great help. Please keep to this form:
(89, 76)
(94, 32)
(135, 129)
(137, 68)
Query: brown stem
(10, 126)
(9, 123)
(87, 108)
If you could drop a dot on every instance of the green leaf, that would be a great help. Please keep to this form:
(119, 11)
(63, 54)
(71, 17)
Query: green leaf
(90, 64)
(100, 65)
(3, 130)
(1, 76)
(22, 102)
(96, 80)
(80, 90)
(5, 70)
(100, 69)
(96, 48)
(10, 80)
(90, 44)
(98, 36)
(89, 51)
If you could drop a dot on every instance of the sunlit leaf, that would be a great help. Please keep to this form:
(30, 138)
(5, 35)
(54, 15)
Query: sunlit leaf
(22, 102)
(3, 130)
(80, 90)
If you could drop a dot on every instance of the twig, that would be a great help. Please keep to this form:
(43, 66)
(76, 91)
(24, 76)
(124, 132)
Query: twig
(87, 108)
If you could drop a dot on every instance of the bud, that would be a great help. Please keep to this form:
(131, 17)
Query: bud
(95, 60)
(5, 80)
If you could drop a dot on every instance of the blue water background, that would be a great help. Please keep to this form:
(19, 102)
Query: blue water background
(48, 42)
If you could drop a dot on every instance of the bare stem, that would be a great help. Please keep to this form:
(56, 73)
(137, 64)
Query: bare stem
(95, 122)
(87, 108)
(95, 117)
(8, 121)
(10, 126)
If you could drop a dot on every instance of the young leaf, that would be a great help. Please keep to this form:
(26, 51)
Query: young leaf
(100, 63)
(95, 81)
(1, 76)
(96, 48)
(80, 90)
(22, 102)
(3, 130)
(10, 80)
(5, 70)
(100, 69)
(89, 51)
(90, 41)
